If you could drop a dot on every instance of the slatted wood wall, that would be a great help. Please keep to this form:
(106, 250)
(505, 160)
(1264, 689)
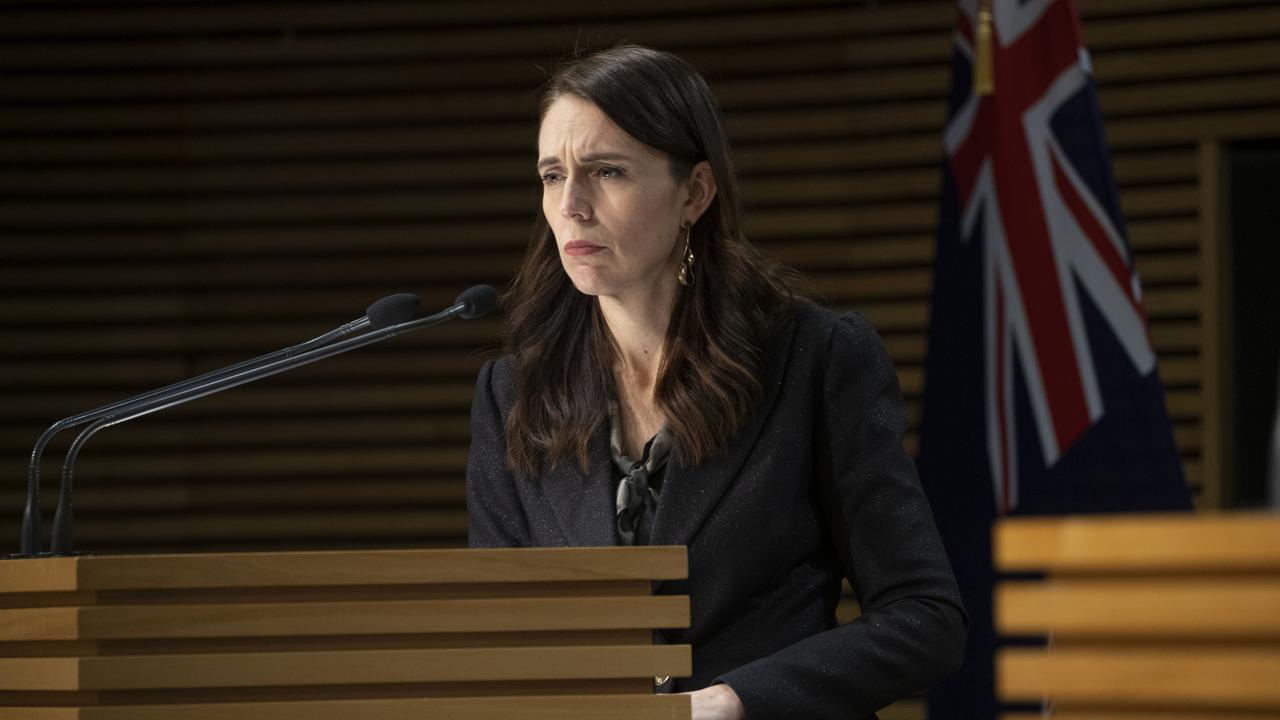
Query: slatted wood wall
(188, 184)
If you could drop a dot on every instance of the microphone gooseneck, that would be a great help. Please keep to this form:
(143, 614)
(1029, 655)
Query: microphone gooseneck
(472, 303)
(391, 309)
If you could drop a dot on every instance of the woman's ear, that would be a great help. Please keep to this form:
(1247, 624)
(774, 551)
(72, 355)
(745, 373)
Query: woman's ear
(701, 187)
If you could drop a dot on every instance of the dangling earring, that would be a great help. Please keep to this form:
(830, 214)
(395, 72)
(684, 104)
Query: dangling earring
(685, 276)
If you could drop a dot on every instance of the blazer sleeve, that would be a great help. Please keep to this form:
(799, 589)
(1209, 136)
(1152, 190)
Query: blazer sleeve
(495, 517)
(911, 630)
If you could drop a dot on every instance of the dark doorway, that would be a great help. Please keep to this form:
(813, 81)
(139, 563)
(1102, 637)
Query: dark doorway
(1253, 287)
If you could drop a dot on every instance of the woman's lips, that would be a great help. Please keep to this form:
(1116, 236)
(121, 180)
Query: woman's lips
(578, 248)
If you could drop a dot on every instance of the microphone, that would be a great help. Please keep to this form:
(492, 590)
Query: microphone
(472, 303)
(478, 300)
(392, 310)
(387, 311)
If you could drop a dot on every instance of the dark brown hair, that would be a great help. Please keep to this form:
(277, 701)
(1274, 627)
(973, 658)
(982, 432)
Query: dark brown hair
(709, 382)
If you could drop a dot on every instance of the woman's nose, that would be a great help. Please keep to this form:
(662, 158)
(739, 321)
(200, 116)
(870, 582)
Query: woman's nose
(574, 201)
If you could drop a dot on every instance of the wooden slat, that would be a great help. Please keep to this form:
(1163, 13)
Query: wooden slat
(324, 304)
(1150, 609)
(278, 463)
(1250, 90)
(340, 667)
(1172, 302)
(391, 363)
(1098, 9)
(1190, 127)
(221, 338)
(1129, 65)
(1187, 435)
(298, 144)
(191, 645)
(391, 567)
(388, 205)
(252, 530)
(1174, 336)
(880, 285)
(1153, 234)
(271, 398)
(559, 707)
(322, 619)
(1140, 715)
(1168, 678)
(96, 494)
(296, 429)
(1159, 543)
(247, 529)
(1226, 23)
(1168, 268)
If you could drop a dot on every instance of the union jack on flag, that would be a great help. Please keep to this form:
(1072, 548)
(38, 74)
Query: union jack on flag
(1048, 236)
(1041, 390)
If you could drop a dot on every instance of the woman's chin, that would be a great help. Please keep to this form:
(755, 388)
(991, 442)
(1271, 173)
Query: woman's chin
(589, 283)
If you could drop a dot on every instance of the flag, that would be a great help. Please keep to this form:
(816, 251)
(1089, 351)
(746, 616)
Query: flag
(1041, 393)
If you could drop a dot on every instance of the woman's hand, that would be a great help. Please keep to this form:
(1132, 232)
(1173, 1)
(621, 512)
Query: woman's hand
(718, 702)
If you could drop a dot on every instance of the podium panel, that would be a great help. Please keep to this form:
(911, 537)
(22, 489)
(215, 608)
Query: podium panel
(555, 633)
(1160, 616)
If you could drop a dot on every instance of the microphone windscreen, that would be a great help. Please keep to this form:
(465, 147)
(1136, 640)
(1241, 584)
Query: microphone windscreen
(393, 310)
(478, 299)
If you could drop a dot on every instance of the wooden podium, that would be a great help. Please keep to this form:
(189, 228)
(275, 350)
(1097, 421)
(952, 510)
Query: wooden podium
(1170, 616)
(459, 634)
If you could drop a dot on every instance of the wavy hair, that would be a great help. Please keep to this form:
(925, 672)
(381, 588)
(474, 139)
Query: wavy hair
(709, 381)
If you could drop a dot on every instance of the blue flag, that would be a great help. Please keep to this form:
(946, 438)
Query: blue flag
(1041, 392)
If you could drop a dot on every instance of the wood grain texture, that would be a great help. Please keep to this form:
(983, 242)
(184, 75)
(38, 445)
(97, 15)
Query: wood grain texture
(341, 667)
(207, 635)
(312, 569)
(1157, 543)
(1163, 609)
(621, 707)
(242, 620)
(1149, 615)
(1073, 714)
(1183, 678)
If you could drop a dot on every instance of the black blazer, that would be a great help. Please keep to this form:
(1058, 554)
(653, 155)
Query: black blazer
(814, 488)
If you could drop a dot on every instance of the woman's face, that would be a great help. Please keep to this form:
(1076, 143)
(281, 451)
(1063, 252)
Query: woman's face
(612, 203)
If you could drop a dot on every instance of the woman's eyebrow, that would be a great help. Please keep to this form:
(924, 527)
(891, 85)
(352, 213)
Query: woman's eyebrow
(593, 157)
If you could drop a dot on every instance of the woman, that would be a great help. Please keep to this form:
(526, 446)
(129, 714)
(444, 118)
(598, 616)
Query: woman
(662, 386)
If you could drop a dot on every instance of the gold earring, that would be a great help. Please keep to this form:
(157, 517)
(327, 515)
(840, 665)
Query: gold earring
(685, 276)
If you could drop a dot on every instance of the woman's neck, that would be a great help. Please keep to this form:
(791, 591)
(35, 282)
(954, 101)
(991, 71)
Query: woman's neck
(639, 331)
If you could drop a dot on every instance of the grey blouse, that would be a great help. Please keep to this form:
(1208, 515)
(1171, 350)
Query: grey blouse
(641, 483)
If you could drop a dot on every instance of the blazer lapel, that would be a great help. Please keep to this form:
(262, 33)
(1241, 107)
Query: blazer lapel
(690, 494)
(583, 503)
